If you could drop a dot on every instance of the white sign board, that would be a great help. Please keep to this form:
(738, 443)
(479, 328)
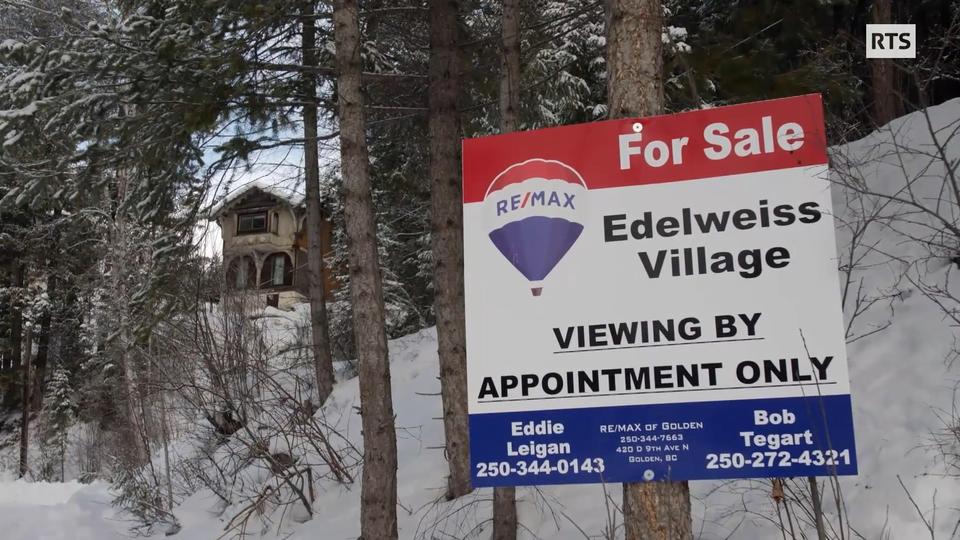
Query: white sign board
(655, 298)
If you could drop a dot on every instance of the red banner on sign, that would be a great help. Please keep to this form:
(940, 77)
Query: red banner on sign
(766, 135)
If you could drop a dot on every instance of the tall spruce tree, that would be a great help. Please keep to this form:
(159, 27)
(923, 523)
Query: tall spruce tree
(378, 498)
(659, 510)
(505, 520)
(447, 236)
(319, 328)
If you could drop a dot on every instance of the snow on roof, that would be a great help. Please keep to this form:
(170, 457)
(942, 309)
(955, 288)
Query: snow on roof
(285, 193)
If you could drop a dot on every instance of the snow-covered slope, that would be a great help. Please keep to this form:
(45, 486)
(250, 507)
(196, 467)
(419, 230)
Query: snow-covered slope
(903, 392)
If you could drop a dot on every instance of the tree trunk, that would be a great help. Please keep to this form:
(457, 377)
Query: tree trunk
(510, 68)
(132, 401)
(164, 423)
(817, 507)
(657, 511)
(634, 58)
(322, 360)
(25, 367)
(120, 257)
(378, 495)
(505, 519)
(882, 73)
(43, 351)
(39, 371)
(652, 510)
(447, 237)
(16, 331)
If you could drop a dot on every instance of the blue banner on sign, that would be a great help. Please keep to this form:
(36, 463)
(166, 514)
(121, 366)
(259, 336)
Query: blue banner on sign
(782, 437)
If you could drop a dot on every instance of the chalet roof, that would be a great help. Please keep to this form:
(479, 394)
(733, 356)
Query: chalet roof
(282, 193)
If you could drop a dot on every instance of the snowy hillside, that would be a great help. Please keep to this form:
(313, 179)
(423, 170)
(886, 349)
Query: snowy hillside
(903, 395)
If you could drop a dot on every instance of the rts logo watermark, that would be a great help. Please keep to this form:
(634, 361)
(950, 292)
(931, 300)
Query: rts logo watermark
(891, 41)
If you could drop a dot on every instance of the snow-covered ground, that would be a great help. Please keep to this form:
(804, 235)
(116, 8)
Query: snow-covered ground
(54, 511)
(903, 390)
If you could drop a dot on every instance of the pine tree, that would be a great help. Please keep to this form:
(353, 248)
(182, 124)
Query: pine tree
(564, 77)
(319, 327)
(447, 236)
(378, 496)
(57, 415)
(505, 520)
(26, 363)
(635, 88)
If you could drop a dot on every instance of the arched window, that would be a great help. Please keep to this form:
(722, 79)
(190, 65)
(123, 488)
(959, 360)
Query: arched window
(242, 273)
(277, 271)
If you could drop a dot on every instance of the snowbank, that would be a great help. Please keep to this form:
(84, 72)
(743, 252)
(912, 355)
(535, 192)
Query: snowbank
(47, 511)
(37, 493)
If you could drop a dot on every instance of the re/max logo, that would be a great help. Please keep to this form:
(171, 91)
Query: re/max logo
(535, 198)
(891, 41)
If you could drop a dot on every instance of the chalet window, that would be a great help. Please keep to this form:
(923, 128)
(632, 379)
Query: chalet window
(275, 223)
(242, 273)
(252, 223)
(277, 271)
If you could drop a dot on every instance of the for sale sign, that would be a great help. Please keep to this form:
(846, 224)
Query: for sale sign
(655, 298)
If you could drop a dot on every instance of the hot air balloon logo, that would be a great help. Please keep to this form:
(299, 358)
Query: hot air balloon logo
(534, 214)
